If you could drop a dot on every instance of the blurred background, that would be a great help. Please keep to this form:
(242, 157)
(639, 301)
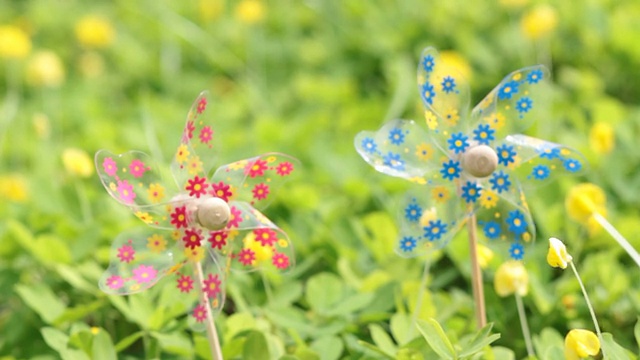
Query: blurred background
(299, 77)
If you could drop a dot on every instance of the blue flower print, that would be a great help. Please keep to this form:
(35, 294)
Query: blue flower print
(534, 76)
(450, 170)
(541, 172)
(396, 136)
(507, 90)
(500, 181)
(548, 152)
(506, 154)
(413, 212)
(435, 230)
(369, 145)
(516, 250)
(572, 165)
(484, 134)
(471, 191)
(428, 93)
(407, 243)
(491, 230)
(448, 84)
(427, 63)
(393, 161)
(458, 142)
(516, 222)
(524, 105)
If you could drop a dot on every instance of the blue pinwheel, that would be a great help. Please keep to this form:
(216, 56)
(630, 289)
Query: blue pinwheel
(469, 163)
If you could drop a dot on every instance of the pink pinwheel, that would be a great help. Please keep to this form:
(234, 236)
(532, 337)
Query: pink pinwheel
(473, 164)
(199, 228)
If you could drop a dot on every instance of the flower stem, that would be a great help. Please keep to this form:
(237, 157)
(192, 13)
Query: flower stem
(525, 326)
(476, 273)
(421, 290)
(618, 237)
(586, 298)
(212, 333)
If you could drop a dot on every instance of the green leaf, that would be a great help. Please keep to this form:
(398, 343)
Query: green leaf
(102, 347)
(238, 323)
(323, 291)
(400, 325)
(351, 304)
(437, 339)
(55, 338)
(382, 340)
(73, 276)
(481, 339)
(41, 300)
(255, 347)
(286, 294)
(374, 348)
(174, 343)
(329, 347)
(613, 350)
(78, 312)
(636, 331)
(127, 341)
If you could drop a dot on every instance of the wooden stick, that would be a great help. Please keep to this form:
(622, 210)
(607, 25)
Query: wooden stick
(212, 333)
(476, 273)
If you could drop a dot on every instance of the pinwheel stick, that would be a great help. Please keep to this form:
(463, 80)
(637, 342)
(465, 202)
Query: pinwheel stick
(212, 333)
(476, 273)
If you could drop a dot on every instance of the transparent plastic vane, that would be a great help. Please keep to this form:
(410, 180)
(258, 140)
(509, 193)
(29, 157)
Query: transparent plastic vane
(472, 163)
(208, 223)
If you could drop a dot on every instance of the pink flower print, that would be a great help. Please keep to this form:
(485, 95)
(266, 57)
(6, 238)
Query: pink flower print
(115, 282)
(185, 283)
(202, 105)
(211, 286)
(246, 257)
(284, 168)
(235, 218)
(179, 217)
(221, 190)
(256, 168)
(266, 237)
(200, 313)
(280, 260)
(144, 274)
(206, 134)
(260, 191)
(125, 191)
(137, 168)
(110, 167)
(197, 186)
(190, 128)
(126, 253)
(218, 239)
(192, 239)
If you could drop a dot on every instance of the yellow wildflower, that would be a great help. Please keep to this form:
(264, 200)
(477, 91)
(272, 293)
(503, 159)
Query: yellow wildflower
(539, 22)
(95, 330)
(485, 255)
(601, 138)
(261, 252)
(511, 278)
(210, 9)
(250, 11)
(584, 200)
(454, 60)
(94, 32)
(427, 216)
(14, 42)
(77, 162)
(558, 255)
(13, 187)
(580, 343)
(45, 69)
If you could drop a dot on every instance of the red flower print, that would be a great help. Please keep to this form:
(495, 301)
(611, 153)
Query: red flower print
(218, 239)
(211, 286)
(144, 274)
(185, 283)
(246, 257)
(197, 186)
(115, 282)
(206, 134)
(190, 128)
(235, 218)
(266, 237)
(137, 168)
(284, 168)
(126, 253)
(255, 168)
(280, 260)
(179, 217)
(260, 191)
(109, 166)
(200, 313)
(125, 191)
(192, 238)
(221, 190)
(202, 104)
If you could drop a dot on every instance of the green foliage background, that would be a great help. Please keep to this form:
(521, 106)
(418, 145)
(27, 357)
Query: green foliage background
(304, 81)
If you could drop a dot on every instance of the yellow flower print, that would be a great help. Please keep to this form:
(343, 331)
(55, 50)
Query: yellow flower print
(156, 193)
(195, 255)
(182, 154)
(238, 165)
(144, 216)
(424, 151)
(156, 243)
(418, 180)
(452, 117)
(195, 165)
(440, 194)
(488, 199)
(430, 118)
(496, 122)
